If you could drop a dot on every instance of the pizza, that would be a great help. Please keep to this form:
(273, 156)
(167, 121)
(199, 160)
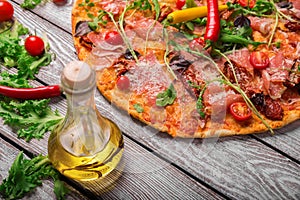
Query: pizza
(195, 69)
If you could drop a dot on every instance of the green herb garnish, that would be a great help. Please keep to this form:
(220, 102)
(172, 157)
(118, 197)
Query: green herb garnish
(167, 97)
(33, 118)
(25, 175)
(138, 107)
(31, 4)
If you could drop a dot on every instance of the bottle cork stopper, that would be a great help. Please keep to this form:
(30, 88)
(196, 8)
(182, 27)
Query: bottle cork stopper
(77, 75)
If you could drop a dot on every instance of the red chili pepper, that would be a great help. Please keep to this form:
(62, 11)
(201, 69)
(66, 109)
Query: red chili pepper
(42, 92)
(213, 21)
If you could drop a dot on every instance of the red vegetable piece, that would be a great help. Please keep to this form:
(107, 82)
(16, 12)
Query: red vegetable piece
(6, 11)
(113, 38)
(180, 4)
(213, 21)
(60, 2)
(34, 45)
(247, 3)
(42, 92)
(259, 60)
(240, 111)
(123, 83)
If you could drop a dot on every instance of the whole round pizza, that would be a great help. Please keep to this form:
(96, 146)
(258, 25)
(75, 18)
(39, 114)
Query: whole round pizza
(194, 68)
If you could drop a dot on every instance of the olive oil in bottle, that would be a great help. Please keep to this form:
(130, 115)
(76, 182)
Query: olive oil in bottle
(87, 146)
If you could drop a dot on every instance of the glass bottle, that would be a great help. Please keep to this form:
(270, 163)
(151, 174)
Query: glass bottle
(86, 146)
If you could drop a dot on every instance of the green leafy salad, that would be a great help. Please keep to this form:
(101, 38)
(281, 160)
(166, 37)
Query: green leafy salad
(31, 118)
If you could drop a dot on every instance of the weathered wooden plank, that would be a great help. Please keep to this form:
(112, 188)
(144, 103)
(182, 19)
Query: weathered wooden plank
(8, 153)
(232, 165)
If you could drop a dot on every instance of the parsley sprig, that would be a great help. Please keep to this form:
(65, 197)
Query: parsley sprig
(27, 174)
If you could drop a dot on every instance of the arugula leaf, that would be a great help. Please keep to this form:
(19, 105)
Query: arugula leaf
(97, 21)
(141, 4)
(30, 4)
(25, 175)
(33, 118)
(138, 108)
(200, 107)
(167, 97)
(12, 80)
(28, 65)
(190, 3)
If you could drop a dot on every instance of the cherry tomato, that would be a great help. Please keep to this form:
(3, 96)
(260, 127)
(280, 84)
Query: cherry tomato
(259, 60)
(247, 3)
(60, 2)
(6, 11)
(113, 38)
(180, 4)
(197, 42)
(240, 111)
(34, 45)
(123, 83)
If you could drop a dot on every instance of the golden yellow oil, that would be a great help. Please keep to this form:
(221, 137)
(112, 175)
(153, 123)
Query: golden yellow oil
(87, 168)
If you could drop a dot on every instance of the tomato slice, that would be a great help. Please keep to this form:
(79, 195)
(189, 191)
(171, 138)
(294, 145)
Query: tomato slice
(180, 4)
(197, 42)
(123, 83)
(259, 60)
(34, 45)
(240, 111)
(6, 11)
(247, 3)
(113, 38)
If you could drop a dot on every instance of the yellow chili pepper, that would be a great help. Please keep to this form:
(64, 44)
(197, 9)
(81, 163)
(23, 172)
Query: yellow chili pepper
(190, 13)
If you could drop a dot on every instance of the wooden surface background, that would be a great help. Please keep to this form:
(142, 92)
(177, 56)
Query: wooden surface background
(154, 165)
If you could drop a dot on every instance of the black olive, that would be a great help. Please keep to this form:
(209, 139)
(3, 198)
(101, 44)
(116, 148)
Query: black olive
(258, 100)
(129, 56)
(179, 62)
(242, 21)
(285, 4)
(82, 28)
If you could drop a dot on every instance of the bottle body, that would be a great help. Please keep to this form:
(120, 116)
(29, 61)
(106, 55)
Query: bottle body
(74, 162)
(86, 146)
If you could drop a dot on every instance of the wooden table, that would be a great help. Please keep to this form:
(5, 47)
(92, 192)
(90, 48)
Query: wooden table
(154, 165)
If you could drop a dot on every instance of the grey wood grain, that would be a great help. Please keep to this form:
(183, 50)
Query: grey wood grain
(240, 167)
(8, 153)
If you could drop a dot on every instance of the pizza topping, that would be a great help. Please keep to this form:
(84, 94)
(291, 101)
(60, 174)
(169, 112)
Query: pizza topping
(189, 14)
(113, 38)
(138, 107)
(213, 21)
(123, 83)
(272, 109)
(293, 26)
(258, 100)
(128, 55)
(241, 21)
(179, 63)
(82, 28)
(167, 97)
(259, 60)
(247, 3)
(6, 11)
(240, 111)
(285, 4)
(180, 4)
